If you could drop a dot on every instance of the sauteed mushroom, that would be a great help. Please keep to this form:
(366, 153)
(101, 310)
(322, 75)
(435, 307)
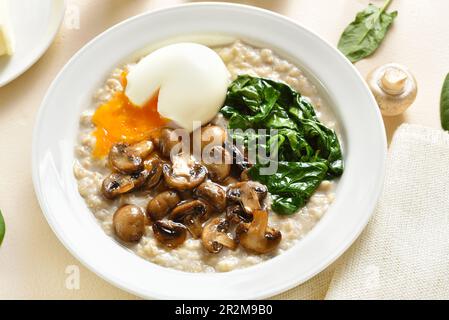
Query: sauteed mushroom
(234, 191)
(162, 204)
(236, 214)
(128, 158)
(213, 194)
(257, 236)
(212, 135)
(184, 173)
(248, 193)
(238, 159)
(129, 223)
(153, 165)
(142, 149)
(218, 163)
(215, 236)
(168, 140)
(244, 176)
(116, 183)
(249, 199)
(186, 194)
(192, 213)
(169, 233)
(229, 181)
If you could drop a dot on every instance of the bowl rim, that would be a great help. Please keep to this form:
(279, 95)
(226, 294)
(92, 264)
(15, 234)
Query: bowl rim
(268, 293)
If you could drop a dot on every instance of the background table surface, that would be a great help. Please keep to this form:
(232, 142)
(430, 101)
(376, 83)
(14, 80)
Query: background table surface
(33, 263)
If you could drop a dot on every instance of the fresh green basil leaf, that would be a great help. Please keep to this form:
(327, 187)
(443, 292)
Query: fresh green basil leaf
(444, 104)
(364, 35)
(2, 227)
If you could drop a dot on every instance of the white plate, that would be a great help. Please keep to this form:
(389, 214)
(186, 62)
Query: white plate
(56, 129)
(34, 24)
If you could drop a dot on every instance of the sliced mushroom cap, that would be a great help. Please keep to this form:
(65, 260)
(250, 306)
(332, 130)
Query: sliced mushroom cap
(116, 183)
(162, 204)
(129, 223)
(257, 236)
(169, 233)
(191, 213)
(218, 163)
(184, 173)
(215, 236)
(153, 165)
(128, 158)
(213, 194)
(248, 193)
(142, 149)
(212, 135)
(168, 140)
(236, 214)
(122, 161)
(234, 190)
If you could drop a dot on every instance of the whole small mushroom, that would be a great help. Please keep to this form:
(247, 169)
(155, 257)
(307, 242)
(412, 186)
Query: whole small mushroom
(257, 236)
(212, 135)
(172, 142)
(213, 194)
(218, 163)
(129, 223)
(394, 88)
(162, 204)
(215, 236)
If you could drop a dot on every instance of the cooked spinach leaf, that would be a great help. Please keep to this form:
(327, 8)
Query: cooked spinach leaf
(2, 227)
(307, 151)
(364, 35)
(444, 104)
(292, 184)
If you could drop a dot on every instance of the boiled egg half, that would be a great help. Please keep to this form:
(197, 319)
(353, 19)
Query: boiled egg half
(190, 80)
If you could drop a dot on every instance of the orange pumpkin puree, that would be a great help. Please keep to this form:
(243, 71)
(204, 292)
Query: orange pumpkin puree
(118, 120)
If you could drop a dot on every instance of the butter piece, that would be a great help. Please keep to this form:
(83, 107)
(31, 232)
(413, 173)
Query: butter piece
(6, 41)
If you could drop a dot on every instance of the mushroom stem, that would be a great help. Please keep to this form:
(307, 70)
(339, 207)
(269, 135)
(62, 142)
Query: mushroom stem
(257, 236)
(259, 223)
(215, 236)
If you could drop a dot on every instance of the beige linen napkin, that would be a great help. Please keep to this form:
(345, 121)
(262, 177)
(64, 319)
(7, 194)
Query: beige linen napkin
(404, 251)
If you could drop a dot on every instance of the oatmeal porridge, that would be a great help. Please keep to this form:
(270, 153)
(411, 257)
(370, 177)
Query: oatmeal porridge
(92, 169)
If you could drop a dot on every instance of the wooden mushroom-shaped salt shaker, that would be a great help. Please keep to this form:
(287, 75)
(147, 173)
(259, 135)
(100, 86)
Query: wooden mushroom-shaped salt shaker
(394, 88)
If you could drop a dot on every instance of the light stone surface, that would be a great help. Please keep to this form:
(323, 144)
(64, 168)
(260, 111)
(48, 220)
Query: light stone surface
(33, 263)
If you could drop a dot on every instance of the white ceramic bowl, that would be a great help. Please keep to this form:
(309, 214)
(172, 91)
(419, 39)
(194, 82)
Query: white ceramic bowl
(57, 124)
